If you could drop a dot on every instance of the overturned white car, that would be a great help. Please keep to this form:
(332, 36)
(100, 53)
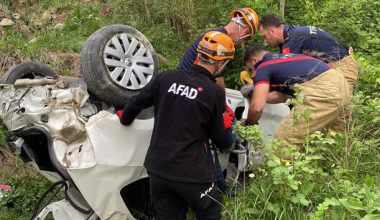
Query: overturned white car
(67, 127)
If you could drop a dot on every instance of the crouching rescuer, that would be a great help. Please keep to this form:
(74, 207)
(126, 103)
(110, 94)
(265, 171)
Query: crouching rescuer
(188, 110)
(324, 92)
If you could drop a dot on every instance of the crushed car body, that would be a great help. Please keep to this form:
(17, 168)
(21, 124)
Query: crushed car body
(93, 147)
(67, 127)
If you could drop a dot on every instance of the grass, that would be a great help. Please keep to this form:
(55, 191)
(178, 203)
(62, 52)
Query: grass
(350, 162)
(35, 36)
(7, 214)
(26, 184)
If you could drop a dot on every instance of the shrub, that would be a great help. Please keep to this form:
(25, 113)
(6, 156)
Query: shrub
(24, 194)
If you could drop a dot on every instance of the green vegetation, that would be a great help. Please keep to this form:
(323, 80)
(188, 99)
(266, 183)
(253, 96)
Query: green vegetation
(337, 177)
(26, 184)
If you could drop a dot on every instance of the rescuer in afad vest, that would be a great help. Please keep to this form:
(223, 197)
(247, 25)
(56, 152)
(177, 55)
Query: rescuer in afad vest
(188, 111)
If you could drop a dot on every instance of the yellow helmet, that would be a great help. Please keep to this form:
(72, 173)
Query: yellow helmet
(216, 45)
(245, 78)
(250, 17)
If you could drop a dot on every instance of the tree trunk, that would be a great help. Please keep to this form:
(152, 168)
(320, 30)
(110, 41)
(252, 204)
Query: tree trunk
(282, 8)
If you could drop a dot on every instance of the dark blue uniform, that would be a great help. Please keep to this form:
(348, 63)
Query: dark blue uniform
(190, 55)
(313, 42)
(282, 71)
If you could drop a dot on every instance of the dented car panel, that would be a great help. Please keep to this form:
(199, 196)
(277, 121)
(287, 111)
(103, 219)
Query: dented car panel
(118, 157)
(90, 150)
(47, 106)
(272, 114)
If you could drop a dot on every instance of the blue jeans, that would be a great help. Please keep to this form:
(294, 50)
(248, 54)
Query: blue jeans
(228, 141)
(220, 181)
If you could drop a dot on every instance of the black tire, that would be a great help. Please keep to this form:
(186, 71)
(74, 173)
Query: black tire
(28, 70)
(105, 79)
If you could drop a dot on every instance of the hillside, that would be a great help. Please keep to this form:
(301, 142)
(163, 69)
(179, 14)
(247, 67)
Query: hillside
(341, 182)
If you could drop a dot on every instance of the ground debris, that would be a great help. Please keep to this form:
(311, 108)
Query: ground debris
(6, 22)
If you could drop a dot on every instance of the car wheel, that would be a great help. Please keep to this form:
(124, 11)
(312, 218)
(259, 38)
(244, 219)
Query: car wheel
(28, 70)
(117, 61)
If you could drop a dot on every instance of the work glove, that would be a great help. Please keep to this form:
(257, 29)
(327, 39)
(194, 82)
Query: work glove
(247, 90)
(119, 113)
(228, 117)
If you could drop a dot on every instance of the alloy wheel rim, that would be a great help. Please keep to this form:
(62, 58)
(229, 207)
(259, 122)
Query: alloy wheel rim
(128, 61)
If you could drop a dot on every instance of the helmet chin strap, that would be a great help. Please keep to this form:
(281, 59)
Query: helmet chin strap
(238, 21)
(219, 72)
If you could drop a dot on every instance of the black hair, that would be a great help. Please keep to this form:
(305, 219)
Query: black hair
(205, 58)
(271, 20)
(253, 50)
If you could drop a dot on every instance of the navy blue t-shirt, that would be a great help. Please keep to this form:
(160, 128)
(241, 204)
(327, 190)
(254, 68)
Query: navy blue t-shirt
(281, 71)
(313, 42)
(190, 55)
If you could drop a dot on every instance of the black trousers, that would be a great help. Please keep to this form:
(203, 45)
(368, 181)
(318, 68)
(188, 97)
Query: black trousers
(172, 199)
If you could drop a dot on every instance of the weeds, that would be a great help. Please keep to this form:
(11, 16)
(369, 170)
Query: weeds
(335, 176)
(26, 184)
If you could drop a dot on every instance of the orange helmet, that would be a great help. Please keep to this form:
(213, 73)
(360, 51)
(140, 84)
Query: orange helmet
(217, 46)
(250, 17)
